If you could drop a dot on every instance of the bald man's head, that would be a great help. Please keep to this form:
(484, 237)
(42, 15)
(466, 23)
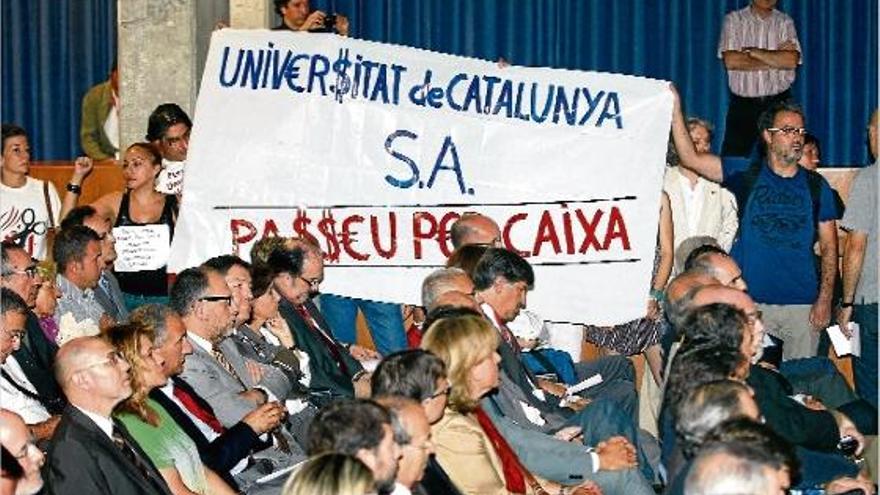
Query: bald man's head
(473, 228)
(679, 295)
(93, 374)
(687, 281)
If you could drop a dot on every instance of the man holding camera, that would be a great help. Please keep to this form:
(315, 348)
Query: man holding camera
(296, 15)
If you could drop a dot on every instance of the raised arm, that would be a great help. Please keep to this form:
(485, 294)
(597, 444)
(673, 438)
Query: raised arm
(704, 164)
(82, 167)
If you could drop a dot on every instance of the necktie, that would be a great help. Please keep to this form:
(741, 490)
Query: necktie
(142, 465)
(218, 355)
(281, 442)
(514, 473)
(510, 338)
(197, 409)
(328, 342)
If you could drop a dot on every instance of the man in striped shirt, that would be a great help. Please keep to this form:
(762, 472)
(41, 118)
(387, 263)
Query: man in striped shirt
(760, 50)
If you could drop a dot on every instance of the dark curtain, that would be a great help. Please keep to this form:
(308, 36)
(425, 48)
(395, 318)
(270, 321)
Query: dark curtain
(665, 39)
(53, 51)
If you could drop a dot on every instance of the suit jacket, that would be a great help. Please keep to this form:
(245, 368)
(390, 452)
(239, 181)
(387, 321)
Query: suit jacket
(467, 455)
(273, 378)
(519, 375)
(542, 453)
(252, 345)
(227, 450)
(435, 481)
(216, 385)
(36, 355)
(717, 219)
(82, 459)
(96, 105)
(815, 430)
(326, 374)
(111, 300)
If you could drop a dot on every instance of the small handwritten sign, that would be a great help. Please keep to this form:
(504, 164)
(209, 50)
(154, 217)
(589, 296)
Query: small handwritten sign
(141, 247)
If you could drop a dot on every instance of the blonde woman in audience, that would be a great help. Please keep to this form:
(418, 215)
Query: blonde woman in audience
(173, 453)
(331, 474)
(140, 207)
(468, 446)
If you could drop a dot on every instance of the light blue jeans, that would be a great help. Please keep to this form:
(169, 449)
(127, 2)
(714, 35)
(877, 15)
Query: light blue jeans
(385, 321)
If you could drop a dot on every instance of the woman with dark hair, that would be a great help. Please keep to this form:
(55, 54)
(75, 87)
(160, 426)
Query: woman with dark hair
(140, 211)
(170, 449)
(30, 208)
(267, 334)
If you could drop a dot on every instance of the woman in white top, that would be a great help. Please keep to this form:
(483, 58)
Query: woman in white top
(30, 208)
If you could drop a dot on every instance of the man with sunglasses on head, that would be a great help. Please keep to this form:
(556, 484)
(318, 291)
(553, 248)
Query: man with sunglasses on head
(783, 209)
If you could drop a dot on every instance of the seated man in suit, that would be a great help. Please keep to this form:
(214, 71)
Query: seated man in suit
(227, 451)
(107, 293)
(91, 452)
(19, 394)
(815, 431)
(336, 367)
(204, 301)
(502, 279)
(279, 364)
(36, 354)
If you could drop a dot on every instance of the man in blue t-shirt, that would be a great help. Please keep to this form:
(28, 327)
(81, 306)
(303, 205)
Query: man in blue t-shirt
(785, 209)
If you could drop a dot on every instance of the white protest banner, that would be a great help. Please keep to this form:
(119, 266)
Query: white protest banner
(141, 247)
(376, 149)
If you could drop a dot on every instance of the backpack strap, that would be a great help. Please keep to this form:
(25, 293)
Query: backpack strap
(750, 177)
(48, 204)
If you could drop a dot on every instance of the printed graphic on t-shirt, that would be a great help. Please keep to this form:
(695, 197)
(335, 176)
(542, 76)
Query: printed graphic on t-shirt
(779, 217)
(21, 227)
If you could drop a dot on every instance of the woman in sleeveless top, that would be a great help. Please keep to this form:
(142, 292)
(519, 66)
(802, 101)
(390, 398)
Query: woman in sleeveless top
(140, 206)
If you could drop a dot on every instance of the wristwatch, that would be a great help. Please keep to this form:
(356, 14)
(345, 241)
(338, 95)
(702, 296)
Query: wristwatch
(74, 188)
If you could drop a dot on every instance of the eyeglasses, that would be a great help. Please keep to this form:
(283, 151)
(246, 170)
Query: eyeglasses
(314, 283)
(426, 445)
(26, 449)
(29, 272)
(113, 359)
(755, 316)
(788, 130)
(228, 299)
(14, 334)
(441, 393)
